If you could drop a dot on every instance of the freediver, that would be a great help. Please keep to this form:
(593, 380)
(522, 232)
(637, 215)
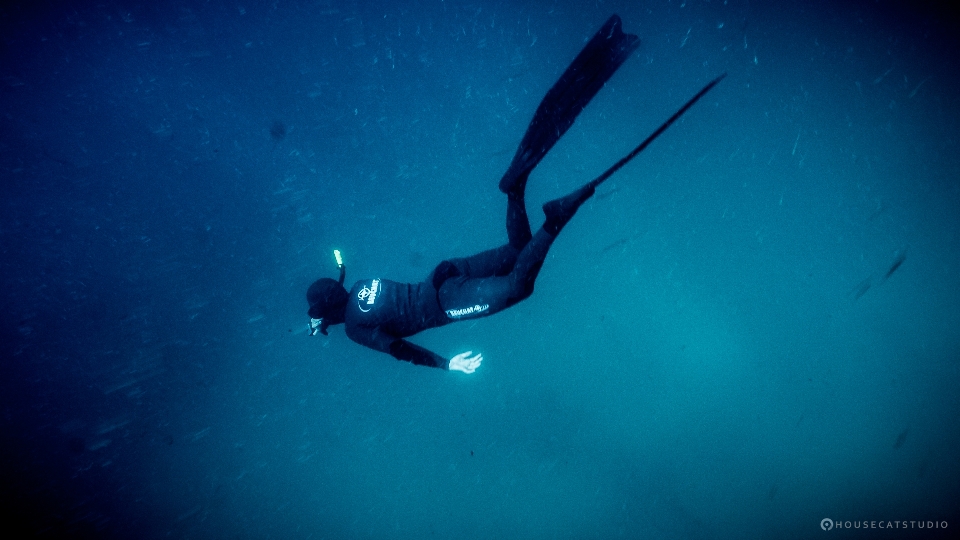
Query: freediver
(379, 313)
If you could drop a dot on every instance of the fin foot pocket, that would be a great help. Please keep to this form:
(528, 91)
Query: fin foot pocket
(606, 51)
(560, 211)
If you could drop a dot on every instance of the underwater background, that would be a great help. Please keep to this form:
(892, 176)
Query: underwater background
(753, 327)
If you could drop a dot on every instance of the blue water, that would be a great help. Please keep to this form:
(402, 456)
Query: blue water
(713, 349)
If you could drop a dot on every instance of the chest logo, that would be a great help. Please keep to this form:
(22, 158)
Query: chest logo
(368, 295)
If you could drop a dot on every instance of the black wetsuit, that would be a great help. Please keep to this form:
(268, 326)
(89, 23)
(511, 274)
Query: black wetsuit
(380, 313)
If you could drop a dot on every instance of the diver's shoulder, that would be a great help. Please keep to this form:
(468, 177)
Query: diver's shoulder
(367, 295)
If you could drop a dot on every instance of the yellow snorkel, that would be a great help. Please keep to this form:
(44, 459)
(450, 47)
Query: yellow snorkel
(343, 269)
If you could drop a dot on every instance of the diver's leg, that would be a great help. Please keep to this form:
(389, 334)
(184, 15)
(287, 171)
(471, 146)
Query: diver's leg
(559, 212)
(463, 297)
(530, 260)
(590, 70)
(528, 266)
(518, 225)
(492, 262)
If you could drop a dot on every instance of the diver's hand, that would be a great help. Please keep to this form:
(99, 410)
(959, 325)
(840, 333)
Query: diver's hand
(463, 362)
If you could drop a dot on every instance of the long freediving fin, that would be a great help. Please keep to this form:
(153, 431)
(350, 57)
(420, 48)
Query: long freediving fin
(560, 211)
(584, 77)
(646, 142)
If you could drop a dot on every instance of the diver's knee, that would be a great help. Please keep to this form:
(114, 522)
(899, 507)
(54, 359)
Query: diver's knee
(444, 271)
(525, 292)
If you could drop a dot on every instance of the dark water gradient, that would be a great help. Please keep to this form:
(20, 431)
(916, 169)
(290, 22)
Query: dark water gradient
(714, 348)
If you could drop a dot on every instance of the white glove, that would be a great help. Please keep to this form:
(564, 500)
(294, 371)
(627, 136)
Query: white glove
(463, 362)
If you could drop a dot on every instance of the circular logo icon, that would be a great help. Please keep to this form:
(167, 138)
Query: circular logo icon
(363, 294)
(826, 524)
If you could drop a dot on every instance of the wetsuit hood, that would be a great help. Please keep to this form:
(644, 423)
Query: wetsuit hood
(328, 300)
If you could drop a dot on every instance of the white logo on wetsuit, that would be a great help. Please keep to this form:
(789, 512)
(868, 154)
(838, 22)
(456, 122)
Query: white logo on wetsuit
(456, 313)
(368, 295)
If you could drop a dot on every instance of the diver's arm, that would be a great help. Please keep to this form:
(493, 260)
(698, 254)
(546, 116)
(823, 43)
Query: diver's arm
(402, 349)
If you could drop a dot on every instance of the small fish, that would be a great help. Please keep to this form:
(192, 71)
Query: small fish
(614, 245)
(278, 130)
(604, 195)
(901, 438)
(862, 288)
(918, 88)
(879, 79)
(902, 256)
